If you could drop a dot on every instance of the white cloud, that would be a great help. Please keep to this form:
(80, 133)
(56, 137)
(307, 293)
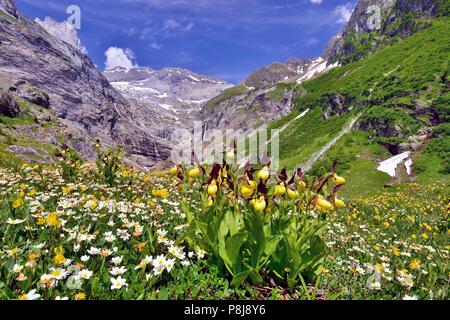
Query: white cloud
(155, 45)
(173, 27)
(118, 57)
(316, 1)
(171, 24)
(344, 12)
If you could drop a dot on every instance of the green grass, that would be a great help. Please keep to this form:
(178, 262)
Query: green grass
(385, 87)
(24, 119)
(363, 179)
(307, 135)
(410, 68)
(356, 156)
(277, 94)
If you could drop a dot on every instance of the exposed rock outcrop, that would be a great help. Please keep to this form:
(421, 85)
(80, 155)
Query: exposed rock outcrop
(367, 31)
(30, 93)
(9, 106)
(278, 72)
(9, 7)
(67, 81)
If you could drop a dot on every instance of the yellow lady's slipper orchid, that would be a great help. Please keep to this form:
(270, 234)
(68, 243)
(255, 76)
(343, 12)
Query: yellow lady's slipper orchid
(292, 193)
(248, 189)
(339, 203)
(264, 173)
(280, 190)
(324, 205)
(194, 173)
(213, 189)
(260, 204)
(338, 180)
(173, 171)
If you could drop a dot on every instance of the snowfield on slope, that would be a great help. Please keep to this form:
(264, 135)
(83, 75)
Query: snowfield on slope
(390, 165)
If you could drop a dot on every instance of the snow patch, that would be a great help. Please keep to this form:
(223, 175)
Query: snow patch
(390, 165)
(318, 66)
(408, 166)
(194, 78)
(168, 107)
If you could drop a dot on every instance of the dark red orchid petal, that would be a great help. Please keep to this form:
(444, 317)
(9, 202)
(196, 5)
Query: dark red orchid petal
(283, 175)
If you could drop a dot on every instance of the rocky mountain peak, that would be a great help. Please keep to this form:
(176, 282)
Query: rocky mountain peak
(61, 30)
(144, 82)
(9, 6)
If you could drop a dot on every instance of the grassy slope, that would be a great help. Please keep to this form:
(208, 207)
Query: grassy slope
(307, 135)
(387, 84)
(10, 133)
(408, 69)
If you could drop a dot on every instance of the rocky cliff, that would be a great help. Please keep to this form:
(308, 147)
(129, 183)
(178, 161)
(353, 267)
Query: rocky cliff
(375, 24)
(165, 100)
(77, 92)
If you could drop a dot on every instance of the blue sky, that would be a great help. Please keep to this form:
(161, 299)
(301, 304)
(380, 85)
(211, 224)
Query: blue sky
(227, 39)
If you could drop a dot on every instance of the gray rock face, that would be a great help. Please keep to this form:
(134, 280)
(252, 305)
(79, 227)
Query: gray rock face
(399, 18)
(164, 101)
(337, 104)
(168, 82)
(246, 111)
(30, 93)
(26, 153)
(61, 30)
(9, 7)
(382, 127)
(9, 106)
(253, 104)
(80, 96)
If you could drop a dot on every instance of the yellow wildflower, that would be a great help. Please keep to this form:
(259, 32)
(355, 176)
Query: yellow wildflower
(17, 203)
(415, 264)
(80, 296)
(395, 251)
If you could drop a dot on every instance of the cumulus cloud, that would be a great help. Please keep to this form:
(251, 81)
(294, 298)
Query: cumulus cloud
(118, 57)
(344, 12)
(316, 1)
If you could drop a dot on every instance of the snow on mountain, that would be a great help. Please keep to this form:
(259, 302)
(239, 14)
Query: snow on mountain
(317, 67)
(173, 95)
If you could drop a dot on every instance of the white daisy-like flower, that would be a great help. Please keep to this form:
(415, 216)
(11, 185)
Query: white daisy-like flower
(94, 251)
(117, 260)
(17, 268)
(116, 271)
(85, 274)
(58, 273)
(31, 295)
(118, 283)
(15, 221)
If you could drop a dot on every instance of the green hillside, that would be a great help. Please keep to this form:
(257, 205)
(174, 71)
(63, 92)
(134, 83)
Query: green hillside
(404, 87)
